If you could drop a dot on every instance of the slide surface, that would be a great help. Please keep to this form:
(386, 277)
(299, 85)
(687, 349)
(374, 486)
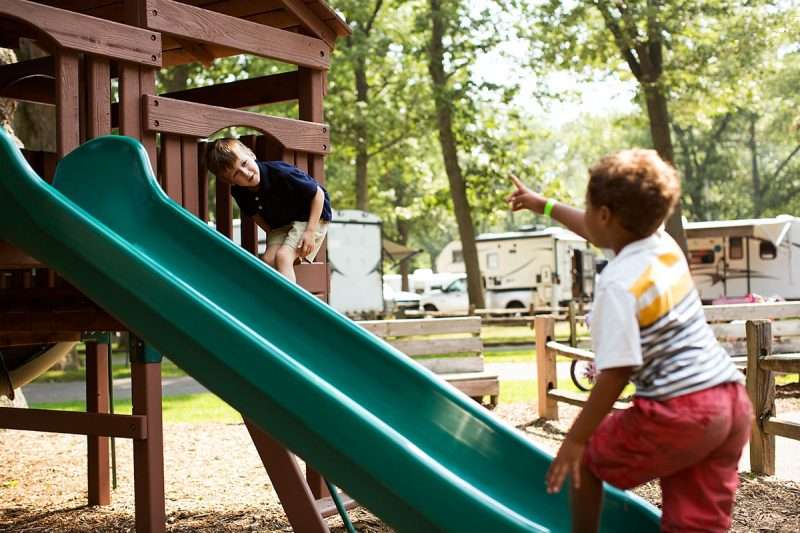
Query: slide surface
(396, 437)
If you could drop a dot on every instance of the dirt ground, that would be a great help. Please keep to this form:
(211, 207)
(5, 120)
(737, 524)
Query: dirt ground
(42, 483)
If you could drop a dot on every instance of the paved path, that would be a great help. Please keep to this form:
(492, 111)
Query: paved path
(76, 390)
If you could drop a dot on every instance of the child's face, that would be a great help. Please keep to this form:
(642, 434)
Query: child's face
(597, 221)
(244, 172)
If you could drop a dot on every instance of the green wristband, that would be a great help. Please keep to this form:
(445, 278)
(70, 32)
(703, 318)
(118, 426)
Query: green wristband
(548, 207)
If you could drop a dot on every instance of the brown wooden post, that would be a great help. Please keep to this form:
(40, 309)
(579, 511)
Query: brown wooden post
(171, 154)
(97, 401)
(67, 102)
(310, 90)
(573, 324)
(148, 454)
(191, 197)
(98, 96)
(761, 389)
(284, 472)
(202, 181)
(546, 366)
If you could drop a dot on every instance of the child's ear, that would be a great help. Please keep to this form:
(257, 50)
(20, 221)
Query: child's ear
(605, 214)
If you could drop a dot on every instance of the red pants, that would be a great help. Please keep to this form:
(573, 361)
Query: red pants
(691, 443)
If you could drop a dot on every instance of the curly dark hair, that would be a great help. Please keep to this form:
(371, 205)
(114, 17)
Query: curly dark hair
(637, 186)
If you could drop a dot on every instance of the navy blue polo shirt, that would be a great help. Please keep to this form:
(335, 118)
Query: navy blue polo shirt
(283, 195)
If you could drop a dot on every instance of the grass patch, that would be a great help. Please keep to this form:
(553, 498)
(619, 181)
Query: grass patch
(197, 408)
(524, 391)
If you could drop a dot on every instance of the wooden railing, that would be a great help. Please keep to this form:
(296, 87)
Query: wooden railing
(748, 321)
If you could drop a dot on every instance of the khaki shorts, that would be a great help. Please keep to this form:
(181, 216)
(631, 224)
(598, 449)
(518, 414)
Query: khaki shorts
(290, 235)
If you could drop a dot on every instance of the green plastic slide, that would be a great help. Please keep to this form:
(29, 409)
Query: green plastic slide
(396, 437)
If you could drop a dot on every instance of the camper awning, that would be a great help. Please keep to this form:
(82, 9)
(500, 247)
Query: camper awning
(773, 230)
(398, 252)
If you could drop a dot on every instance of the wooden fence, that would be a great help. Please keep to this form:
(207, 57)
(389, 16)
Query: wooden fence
(758, 324)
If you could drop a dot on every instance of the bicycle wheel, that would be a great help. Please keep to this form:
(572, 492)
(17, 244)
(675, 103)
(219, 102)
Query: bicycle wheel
(582, 374)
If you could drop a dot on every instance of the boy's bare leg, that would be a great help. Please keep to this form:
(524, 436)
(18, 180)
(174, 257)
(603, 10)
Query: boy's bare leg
(270, 255)
(284, 262)
(586, 503)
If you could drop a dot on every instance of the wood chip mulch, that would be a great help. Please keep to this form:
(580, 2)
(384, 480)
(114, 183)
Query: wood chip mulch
(43, 487)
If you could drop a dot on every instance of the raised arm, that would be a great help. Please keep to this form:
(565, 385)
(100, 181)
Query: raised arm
(525, 198)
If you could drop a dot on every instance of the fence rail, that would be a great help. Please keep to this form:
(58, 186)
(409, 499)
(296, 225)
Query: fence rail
(760, 364)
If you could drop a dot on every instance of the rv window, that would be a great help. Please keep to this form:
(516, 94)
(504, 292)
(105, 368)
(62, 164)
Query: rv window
(766, 250)
(701, 257)
(458, 256)
(491, 261)
(735, 248)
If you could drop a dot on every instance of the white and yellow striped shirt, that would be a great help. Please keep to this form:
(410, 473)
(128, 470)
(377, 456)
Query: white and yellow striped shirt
(647, 314)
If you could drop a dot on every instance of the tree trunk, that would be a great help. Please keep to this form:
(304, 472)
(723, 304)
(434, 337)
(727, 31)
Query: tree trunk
(405, 264)
(362, 133)
(658, 116)
(444, 119)
(755, 173)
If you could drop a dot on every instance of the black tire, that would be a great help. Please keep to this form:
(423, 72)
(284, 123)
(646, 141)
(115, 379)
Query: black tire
(582, 374)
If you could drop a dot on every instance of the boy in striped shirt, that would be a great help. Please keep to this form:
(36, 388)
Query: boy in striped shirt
(691, 416)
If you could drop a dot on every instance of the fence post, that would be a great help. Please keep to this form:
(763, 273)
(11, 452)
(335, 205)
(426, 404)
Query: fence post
(546, 366)
(761, 389)
(573, 324)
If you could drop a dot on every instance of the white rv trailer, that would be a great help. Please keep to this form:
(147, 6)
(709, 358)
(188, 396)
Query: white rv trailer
(521, 268)
(355, 259)
(355, 256)
(734, 258)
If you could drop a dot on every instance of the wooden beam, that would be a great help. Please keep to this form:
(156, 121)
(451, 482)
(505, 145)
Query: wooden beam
(96, 36)
(782, 428)
(438, 346)
(569, 351)
(76, 423)
(768, 311)
(788, 363)
(397, 328)
(311, 21)
(312, 276)
(28, 338)
(271, 89)
(12, 257)
(579, 398)
(197, 24)
(198, 120)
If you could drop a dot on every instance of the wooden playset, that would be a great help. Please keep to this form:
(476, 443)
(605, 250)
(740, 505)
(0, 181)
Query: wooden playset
(100, 75)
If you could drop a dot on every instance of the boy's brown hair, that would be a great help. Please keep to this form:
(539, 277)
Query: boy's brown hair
(223, 154)
(637, 186)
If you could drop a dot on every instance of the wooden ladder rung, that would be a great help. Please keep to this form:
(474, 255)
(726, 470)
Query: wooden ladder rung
(326, 506)
(579, 398)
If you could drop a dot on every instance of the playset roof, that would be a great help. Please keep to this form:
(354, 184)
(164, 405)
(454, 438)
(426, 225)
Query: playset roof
(312, 18)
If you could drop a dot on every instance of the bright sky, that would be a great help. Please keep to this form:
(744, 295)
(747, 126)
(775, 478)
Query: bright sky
(603, 97)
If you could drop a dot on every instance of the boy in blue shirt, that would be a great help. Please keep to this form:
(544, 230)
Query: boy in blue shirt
(286, 202)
